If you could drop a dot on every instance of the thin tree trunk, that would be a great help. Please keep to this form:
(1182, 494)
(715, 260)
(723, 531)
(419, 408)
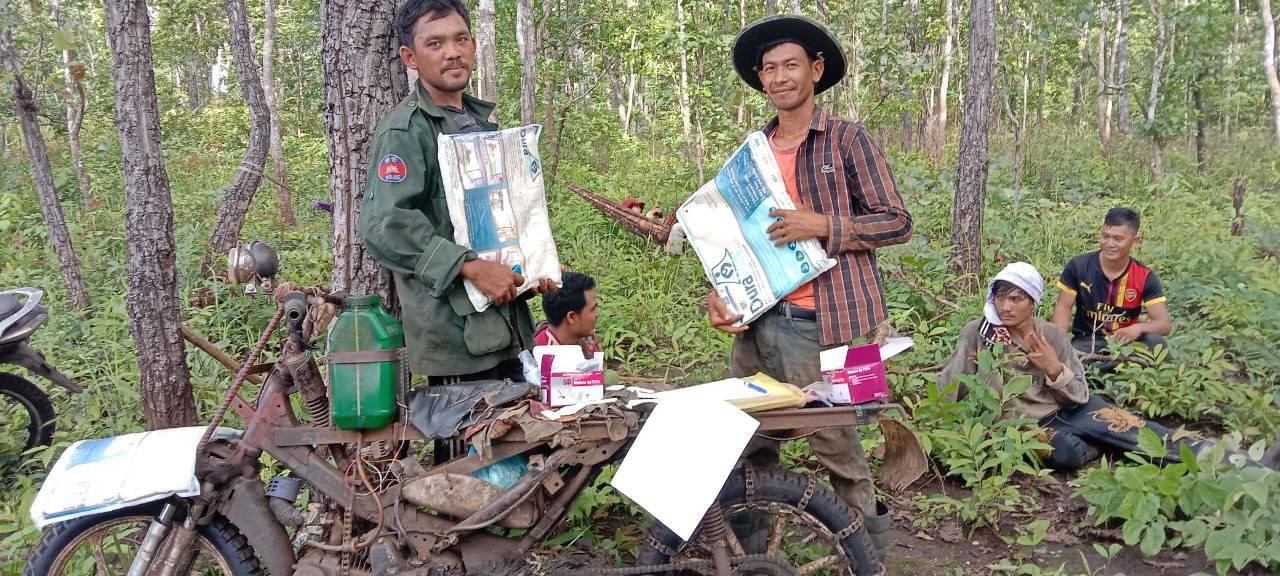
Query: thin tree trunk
(487, 51)
(1233, 53)
(1269, 62)
(794, 5)
(1078, 79)
(42, 176)
(363, 79)
(770, 7)
(686, 123)
(936, 134)
(528, 61)
(971, 180)
(1124, 123)
(1198, 98)
(151, 299)
(1041, 81)
(273, 109)
(1153, 97)
(244, 183)
(73, 97)
(1104, 99)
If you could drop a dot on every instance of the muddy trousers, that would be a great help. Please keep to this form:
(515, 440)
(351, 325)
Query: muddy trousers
(1077, 433)
(786, 348)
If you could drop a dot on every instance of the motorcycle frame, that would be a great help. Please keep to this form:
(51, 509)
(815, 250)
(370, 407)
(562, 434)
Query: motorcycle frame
(234, 489)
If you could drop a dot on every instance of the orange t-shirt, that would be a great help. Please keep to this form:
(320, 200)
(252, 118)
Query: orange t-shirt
(802, 296)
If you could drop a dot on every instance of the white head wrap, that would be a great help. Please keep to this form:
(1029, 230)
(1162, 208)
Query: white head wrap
(1020, 274)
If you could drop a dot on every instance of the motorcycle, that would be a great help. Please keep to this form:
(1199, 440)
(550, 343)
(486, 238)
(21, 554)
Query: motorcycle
(378, 502)
(25, 410)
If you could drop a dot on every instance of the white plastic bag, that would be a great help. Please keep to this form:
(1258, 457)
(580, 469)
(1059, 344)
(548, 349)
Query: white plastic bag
(726, 220)
(493, 186)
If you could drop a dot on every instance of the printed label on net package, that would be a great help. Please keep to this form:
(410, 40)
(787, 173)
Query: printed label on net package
(726, 220)
(493, 186)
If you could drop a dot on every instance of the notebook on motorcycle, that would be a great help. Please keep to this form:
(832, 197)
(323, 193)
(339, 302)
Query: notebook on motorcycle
(726, 222)
(494, 189)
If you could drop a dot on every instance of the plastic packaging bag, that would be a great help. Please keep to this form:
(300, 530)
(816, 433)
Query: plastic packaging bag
(493, 186)
(726, 220)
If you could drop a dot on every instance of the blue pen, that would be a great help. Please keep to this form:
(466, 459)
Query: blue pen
(756, 388)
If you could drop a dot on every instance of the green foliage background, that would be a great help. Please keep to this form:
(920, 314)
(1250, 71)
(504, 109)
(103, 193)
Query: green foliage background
(1224, 291)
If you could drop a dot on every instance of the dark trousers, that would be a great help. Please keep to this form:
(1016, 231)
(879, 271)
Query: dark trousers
(445, 449)
(1098, 345)
(787, 350)
(1077, 433)
(509, 369)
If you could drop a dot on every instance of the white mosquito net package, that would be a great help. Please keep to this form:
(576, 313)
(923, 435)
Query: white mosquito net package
(493, 186)
(726, 220)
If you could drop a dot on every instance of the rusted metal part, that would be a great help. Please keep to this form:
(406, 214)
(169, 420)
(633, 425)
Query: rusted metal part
(246, 507)
(460, 496)
(216, 353)
(796, 418)
(658, 230)
(556, 510)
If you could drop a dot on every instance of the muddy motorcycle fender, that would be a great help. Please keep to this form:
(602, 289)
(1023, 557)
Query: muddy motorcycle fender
(246, 507)
(22, 354)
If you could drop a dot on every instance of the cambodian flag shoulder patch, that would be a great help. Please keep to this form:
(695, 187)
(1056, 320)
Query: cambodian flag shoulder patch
(392, 169)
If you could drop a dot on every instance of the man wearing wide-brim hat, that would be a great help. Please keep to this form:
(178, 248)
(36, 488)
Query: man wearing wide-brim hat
(847, 200)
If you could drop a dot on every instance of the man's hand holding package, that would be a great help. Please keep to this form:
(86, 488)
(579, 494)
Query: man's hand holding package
(720, 315)
(494, 280)
(797, 225)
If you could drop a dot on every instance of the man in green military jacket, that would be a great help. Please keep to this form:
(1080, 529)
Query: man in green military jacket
(405, 221)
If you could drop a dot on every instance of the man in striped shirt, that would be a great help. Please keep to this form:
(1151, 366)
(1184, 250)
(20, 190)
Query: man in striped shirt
(846, 199)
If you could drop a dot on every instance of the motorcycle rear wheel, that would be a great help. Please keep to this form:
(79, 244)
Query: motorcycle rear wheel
(787, 523)
(107, 543)
(26, 416)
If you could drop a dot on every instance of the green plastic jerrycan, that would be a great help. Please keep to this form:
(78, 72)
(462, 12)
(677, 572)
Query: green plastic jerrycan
(364, 369)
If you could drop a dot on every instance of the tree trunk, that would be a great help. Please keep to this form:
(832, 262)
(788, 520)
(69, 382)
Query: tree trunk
(363, 79)
(1078, 79)
(1123, 123)
(1153, 97)
(770, 7)
(1269, 63)
(1040, 84)
(528, 60)
(273, 109)
(73, 96)
(151, 299)
(936, 134)
(794, 5)
(42, 176)
(487, 51)
(1104, 98)
(1237, 205)
(1198, 98)
(971, 180)
(245, 181)
(685, 108)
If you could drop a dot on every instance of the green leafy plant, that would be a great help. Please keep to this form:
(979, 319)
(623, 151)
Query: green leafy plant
(972, 439)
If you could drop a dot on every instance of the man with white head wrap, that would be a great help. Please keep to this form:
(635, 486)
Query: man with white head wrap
(1075, 423)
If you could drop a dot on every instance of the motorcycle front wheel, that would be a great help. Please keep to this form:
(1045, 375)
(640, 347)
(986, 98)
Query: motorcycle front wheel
(107, 544)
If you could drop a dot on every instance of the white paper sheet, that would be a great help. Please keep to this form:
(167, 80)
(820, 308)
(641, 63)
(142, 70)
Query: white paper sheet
(681, 458)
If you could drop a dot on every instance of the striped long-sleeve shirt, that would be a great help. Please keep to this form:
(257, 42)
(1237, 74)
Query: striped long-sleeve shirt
(840, 172)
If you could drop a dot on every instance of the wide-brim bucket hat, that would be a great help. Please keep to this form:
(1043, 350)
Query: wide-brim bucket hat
(806, 32)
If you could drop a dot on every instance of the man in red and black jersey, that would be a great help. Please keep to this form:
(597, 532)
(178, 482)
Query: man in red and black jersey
(1110, 290)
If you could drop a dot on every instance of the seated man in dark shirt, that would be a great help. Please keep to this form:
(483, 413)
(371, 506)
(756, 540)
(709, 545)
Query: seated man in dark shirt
(1110, 291)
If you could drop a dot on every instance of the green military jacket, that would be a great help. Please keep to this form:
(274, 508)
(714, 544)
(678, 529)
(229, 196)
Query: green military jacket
(404, 222)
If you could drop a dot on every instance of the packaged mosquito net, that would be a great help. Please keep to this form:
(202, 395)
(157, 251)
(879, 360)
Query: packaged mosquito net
(493, 186)
(726, 220)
